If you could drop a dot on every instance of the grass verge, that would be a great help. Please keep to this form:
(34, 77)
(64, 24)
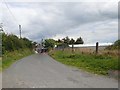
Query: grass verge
(10, 57)
(98, 64)
(0, 64)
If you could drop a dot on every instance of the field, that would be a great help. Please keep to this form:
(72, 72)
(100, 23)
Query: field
(85, 58)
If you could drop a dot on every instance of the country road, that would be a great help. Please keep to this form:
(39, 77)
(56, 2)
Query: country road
(41, 71)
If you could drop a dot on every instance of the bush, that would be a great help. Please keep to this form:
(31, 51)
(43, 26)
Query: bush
(11, 42)
(116, 45)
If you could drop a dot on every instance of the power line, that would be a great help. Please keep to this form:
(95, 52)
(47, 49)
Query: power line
(12, 16)
(11, 12)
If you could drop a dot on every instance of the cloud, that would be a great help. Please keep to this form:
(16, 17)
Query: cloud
(92, 20)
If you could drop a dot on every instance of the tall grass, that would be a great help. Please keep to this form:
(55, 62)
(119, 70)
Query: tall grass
(0, 64)
(114, 53)
(99, 64)
(10, 57)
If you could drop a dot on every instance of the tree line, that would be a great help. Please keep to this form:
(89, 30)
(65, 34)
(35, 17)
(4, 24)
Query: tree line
(11, 42)
(65, 42)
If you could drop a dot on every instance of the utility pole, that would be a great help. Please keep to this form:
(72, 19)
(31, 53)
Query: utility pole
(20, 30)
(1, 27)
(1, 30)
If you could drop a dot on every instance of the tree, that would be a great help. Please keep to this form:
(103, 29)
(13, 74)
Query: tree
(66, 40)
(79, 41)
(49, 43)
(117, 43)
(34, 44)
(27, 42)
(11, 42)
(59, 41)
(72, 41)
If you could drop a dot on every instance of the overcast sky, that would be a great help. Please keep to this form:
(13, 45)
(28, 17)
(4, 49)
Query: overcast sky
(93, 21)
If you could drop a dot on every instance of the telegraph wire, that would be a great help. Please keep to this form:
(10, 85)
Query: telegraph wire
(10, 11)
(13, 16)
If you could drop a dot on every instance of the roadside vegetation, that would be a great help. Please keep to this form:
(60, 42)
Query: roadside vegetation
(10, 57)
(99, 64)
(0, 64)
(116, 45)
(86, 59)
(14, 48)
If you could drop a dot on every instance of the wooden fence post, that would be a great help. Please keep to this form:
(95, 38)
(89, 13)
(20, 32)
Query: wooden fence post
(97, 47)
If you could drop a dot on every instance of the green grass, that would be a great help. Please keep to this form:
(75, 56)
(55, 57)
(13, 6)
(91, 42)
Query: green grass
(0, 64)
(10, 57)
(99, 64)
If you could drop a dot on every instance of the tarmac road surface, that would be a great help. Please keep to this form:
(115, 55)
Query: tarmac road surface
(41, 71)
